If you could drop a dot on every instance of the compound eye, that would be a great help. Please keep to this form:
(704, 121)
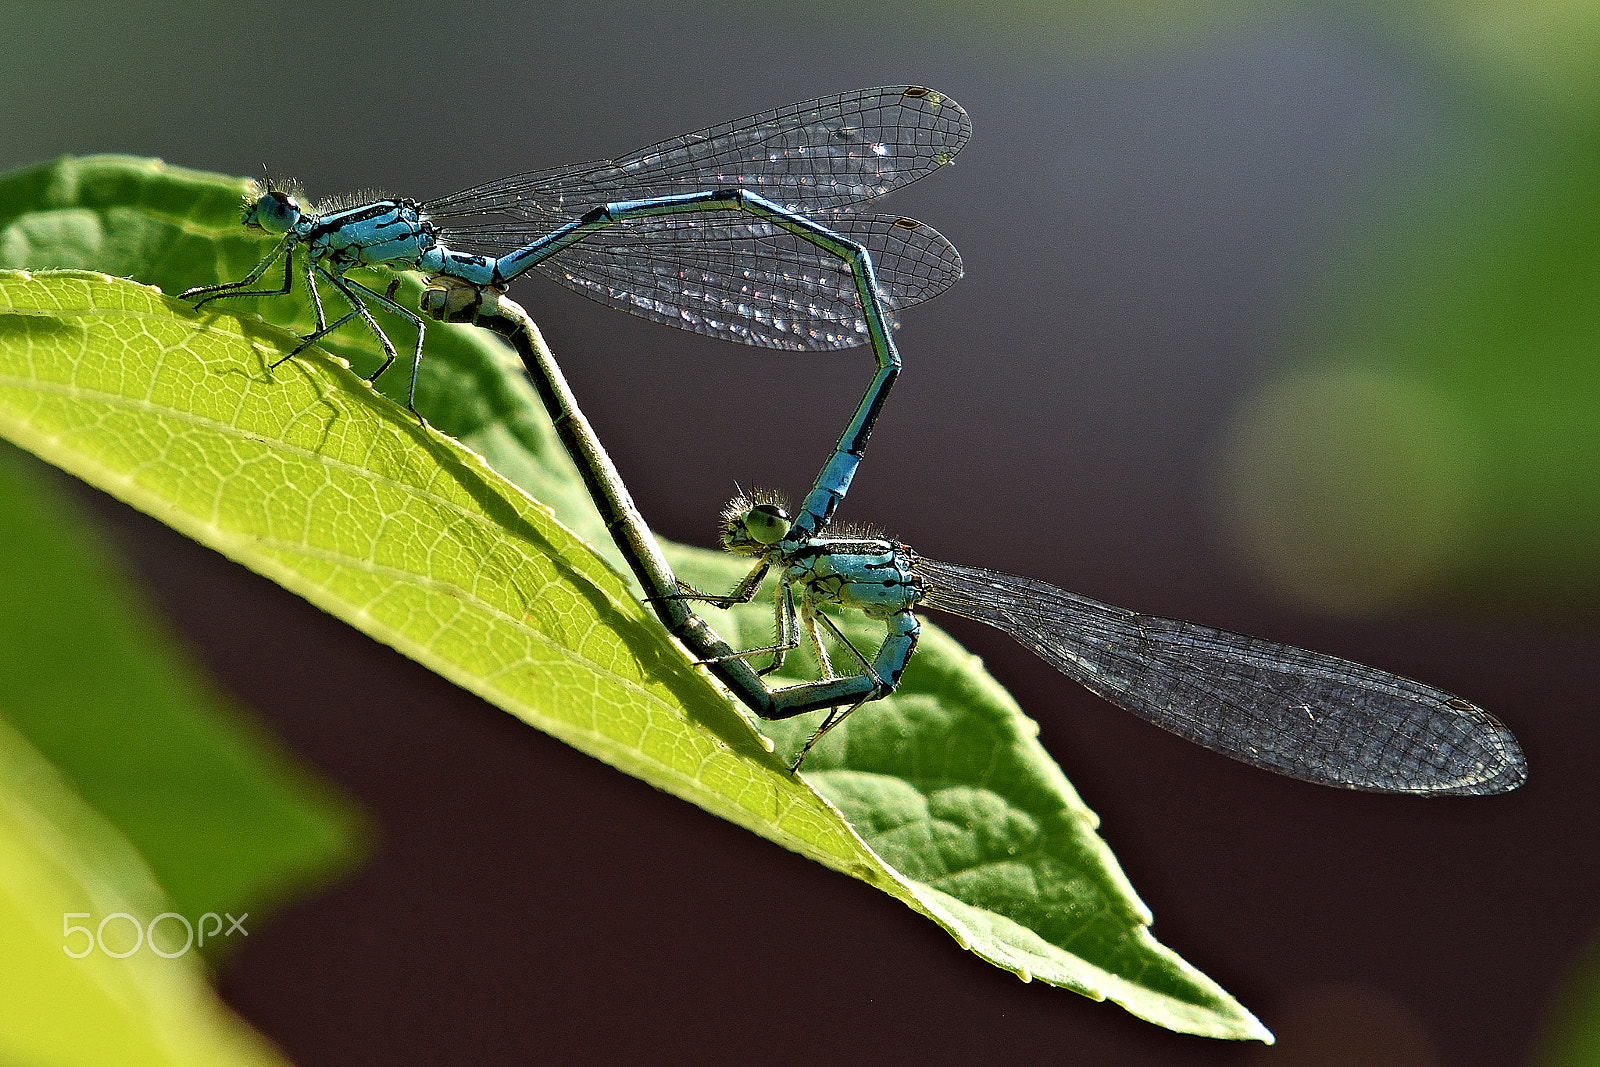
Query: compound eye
(274, 212)
(766, 523)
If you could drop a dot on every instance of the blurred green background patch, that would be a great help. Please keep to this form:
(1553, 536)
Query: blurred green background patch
(1429, 436)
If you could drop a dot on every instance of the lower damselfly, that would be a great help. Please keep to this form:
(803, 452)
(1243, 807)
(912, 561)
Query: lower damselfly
(1304, 714)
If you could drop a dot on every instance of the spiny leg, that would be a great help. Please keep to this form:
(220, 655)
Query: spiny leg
(345, 289)
(742, 593)
(808, 620)
(388, 301)
(316, 298)
(314, 338)
(241, 287)
(788, 638)
(866, 667)
(323, 329)
(836, 716)
(348, 288)
(787, 635)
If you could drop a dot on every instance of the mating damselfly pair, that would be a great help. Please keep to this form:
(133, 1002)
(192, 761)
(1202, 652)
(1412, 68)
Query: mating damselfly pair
(748, 231)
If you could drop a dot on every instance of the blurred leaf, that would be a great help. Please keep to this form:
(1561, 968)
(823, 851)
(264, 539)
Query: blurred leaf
(224, 817)
(59, 859)
(1542, 54)
(1572, 1038)
(300, 473)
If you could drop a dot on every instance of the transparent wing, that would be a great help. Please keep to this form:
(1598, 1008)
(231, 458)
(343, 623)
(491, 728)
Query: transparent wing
(734, 276)
(1299, 713)
(742, 279)
(812, 156)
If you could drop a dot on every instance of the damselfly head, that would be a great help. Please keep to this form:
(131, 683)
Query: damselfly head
(274, 208)
(754, 522)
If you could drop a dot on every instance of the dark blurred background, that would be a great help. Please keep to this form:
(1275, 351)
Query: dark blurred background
(1284, 319)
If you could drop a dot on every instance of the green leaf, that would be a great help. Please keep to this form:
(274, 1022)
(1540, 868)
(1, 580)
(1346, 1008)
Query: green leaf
(62, 865)
(300, 472)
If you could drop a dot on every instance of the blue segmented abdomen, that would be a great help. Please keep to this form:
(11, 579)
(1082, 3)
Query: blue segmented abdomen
(466, 266)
